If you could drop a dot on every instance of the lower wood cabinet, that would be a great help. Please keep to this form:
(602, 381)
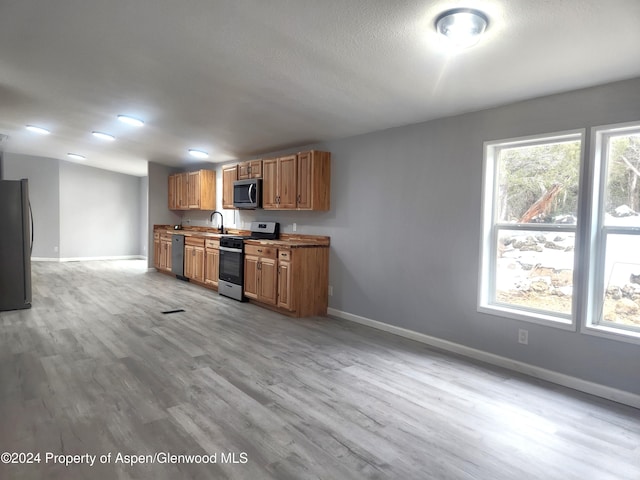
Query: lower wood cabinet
(284, 279)
(260, 273)
(211, 262)
(294, 280)
(156, 249)
(162, 251)
(194, 258)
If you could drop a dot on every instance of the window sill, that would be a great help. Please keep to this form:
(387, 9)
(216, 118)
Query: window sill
(618, 334)
(525, 316)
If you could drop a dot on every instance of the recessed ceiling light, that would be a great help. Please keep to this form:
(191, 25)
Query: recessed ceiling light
(76, 156)
(136, 122)
(462, 27)
(103, 136)
(38, 130)
(198, 153)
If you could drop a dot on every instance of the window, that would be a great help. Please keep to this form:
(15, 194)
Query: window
(530, 215)
(613, 303)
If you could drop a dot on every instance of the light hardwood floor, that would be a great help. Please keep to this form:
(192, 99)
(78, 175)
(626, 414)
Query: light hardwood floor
(95, 367)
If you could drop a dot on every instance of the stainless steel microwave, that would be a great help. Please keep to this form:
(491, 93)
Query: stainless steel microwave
(247, 193)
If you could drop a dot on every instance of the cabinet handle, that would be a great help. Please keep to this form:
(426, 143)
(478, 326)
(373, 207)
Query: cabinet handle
(259, 265)
(299, 199)
(260, 250)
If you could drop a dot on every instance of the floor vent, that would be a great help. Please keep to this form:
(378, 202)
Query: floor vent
(173, 311)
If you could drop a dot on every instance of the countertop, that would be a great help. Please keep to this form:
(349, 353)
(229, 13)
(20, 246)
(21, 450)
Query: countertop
(285, 240)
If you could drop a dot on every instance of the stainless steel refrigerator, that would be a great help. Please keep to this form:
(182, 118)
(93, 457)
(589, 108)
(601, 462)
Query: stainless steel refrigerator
(15, 245)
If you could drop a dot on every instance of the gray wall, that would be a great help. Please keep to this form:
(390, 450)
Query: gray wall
(44, 194)
(405, 230)
(80, 211)
(99, 212)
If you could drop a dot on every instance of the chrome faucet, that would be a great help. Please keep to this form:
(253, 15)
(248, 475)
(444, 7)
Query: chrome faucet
(221, 228)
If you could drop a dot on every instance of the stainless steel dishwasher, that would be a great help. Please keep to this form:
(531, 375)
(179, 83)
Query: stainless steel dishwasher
(177, 255)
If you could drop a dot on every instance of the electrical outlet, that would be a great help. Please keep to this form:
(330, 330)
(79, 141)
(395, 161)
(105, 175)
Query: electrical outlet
(331, 290)
(523, 336)
(295, 227)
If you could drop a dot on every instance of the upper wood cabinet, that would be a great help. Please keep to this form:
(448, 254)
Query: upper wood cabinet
(292, 182)
(279, 183)
(173, 197)
(229, 175)
(193, 190)
(250, 169)
(314, 181)
(297, 182)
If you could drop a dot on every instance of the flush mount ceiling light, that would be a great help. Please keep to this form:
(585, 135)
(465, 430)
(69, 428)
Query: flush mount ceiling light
(103, 136)
(462, 27)
(198, 153)
(76, 156)
(38, 130)
(136, 122)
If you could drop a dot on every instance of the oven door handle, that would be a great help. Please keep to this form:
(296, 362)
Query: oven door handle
(234, 250)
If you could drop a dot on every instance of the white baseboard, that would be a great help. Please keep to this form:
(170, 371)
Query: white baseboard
(88, 259)
(592, 388)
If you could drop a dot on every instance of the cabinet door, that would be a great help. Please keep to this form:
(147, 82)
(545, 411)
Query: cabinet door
(157, 252)
(267, 280)
(243, 170)
(198, 264)
(287, 182)
(229, 175)
(193, 187)
(165, 254)
(172, 193)
(168, 252)
(270, 183)
(182, 192)
(189, 260)
(251, 276)
(255, 169)
(211, 266)
(303, 199)
(284, 285)
(314, 180)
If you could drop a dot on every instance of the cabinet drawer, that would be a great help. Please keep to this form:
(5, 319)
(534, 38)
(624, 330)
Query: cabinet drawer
(166, 238)
(195, 241)
(212, 243)
(156, 236)
(284, 255)
(260, 251)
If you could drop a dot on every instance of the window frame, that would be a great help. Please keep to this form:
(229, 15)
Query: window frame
(598, 234)
(490, 229)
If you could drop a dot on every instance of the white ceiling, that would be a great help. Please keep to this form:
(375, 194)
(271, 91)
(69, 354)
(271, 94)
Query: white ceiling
(242, 77)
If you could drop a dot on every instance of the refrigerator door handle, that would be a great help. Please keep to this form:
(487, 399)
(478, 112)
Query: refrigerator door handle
(31, 216)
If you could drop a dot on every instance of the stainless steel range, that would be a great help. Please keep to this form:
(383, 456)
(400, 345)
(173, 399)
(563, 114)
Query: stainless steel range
(231, 276)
